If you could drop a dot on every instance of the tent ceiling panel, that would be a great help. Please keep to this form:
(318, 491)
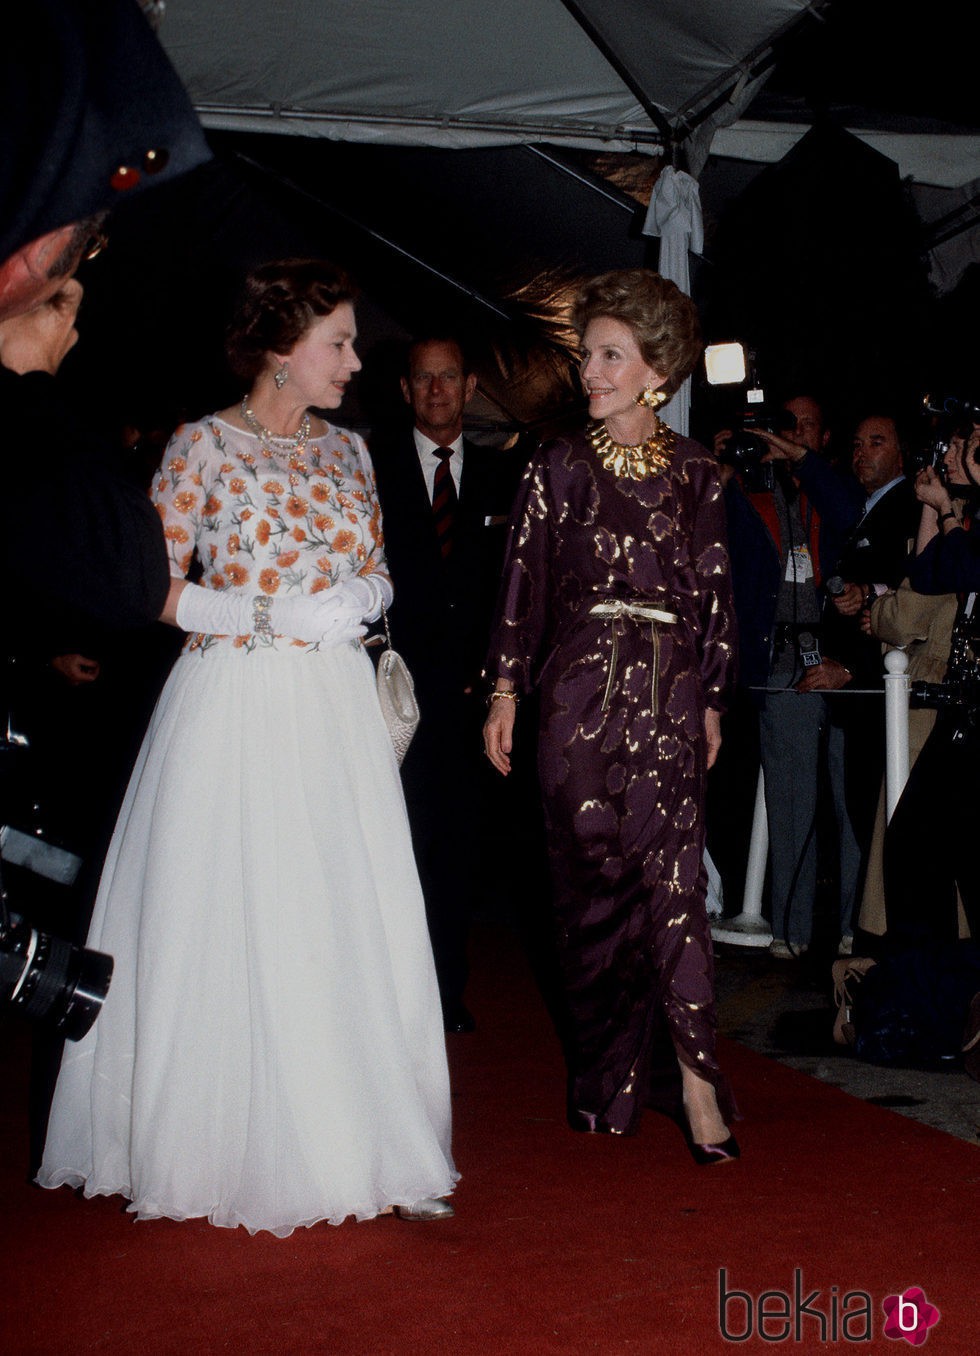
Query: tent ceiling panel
(460, 72)
(687, 51)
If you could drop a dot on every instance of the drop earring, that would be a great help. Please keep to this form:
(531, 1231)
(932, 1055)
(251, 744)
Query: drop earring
(649, 399)
(281, 376)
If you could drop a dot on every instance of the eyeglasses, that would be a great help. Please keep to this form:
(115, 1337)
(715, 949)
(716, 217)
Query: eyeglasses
(95, 244)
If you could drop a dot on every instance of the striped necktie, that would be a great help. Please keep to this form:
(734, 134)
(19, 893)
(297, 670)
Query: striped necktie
(444, 501)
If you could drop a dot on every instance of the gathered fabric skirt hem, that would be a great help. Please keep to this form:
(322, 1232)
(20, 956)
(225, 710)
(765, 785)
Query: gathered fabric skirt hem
(222, 1218)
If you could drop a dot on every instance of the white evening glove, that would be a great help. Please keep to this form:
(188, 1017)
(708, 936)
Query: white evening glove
(333, 617)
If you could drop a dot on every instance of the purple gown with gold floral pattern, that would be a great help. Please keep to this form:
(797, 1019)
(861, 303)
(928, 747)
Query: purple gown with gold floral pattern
(621, 754)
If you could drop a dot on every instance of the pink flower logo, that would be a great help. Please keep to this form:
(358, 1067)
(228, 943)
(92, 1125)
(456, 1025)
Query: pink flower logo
(909, 1316)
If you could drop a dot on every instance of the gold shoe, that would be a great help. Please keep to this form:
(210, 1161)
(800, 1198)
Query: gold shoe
(428, 1208)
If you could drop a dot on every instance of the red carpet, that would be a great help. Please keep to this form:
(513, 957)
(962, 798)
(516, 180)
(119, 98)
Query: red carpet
(562, 1243)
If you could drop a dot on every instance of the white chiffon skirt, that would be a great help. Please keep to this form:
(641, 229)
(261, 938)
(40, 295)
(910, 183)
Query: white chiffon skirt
(271, 1050)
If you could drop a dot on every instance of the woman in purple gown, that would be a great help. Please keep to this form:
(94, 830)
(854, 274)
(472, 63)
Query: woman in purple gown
(616, 605)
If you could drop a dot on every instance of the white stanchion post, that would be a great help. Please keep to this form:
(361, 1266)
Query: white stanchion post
(749, 928)
(897, 687)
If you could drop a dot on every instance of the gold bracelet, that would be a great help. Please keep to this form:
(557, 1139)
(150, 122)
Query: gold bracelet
(503, 697)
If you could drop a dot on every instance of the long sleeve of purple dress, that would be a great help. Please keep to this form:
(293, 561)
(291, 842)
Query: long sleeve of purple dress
(616, 604)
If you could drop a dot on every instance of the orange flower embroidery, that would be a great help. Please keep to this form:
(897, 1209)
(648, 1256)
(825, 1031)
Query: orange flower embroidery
(213, 551)
(262, 532)
(226, 466)
(217, 582)
(175, 533)
(296, 507)
(343, 542)
(184, 501)
(237, 574)
(319, 585)
(196, 436)
(234, 545)
(269, 581)
(177, 465)
(212, 506)
(272, 487)
(298, 534)
(246, 514)
(237, 486)
(286, 559)
(320, 493)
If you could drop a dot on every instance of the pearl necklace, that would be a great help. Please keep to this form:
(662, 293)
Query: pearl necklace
(290, 442)
(634, 461)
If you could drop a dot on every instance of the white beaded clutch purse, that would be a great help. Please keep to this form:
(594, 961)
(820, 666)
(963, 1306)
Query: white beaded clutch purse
(396, 696)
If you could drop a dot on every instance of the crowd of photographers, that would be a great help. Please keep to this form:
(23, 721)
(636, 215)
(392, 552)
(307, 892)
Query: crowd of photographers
(832, 564)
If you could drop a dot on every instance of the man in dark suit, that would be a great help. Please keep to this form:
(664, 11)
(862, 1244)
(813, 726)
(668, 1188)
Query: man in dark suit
(445, 503)
(874, 558)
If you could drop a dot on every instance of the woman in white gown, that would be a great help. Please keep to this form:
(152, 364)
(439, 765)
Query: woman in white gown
(271, 1050)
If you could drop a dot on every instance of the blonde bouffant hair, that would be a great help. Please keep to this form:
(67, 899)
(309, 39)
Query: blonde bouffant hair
(663, 319)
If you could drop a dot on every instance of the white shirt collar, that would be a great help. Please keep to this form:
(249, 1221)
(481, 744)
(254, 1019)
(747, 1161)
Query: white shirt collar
(880, 493)
(426, 447)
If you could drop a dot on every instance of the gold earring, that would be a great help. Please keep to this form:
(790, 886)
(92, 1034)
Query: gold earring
(649, 399)
(281, 376)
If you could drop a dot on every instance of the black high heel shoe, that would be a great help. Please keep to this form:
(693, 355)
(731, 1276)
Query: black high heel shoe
(706, 1155)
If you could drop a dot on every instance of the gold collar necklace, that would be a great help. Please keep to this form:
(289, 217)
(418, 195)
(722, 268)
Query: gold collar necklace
(290, 442)
(634, 461)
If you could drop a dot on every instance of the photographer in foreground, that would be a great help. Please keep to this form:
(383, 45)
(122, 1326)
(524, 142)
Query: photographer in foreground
(91, 112)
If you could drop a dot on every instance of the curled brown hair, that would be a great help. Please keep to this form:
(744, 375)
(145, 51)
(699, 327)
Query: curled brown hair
(663, 319)
(280, 302)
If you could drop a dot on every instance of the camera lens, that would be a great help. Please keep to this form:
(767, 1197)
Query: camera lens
(53, 981)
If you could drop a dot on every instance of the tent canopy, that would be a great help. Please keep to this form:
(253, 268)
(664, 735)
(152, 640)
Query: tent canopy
(592, 74)
(589, 73)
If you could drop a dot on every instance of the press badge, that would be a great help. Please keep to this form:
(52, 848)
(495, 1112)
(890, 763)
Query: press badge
(799, 566)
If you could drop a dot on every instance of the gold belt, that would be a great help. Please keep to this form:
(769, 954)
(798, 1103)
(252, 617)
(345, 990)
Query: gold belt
(618, 608)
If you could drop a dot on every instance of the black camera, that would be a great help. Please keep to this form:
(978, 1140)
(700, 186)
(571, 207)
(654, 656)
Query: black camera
(730, 364)
(44, 978)
(948, 417)
(743, 449)
(49, 980)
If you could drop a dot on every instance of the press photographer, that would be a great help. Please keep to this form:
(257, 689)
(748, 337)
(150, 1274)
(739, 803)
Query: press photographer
(784, 532)
(929, 844)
